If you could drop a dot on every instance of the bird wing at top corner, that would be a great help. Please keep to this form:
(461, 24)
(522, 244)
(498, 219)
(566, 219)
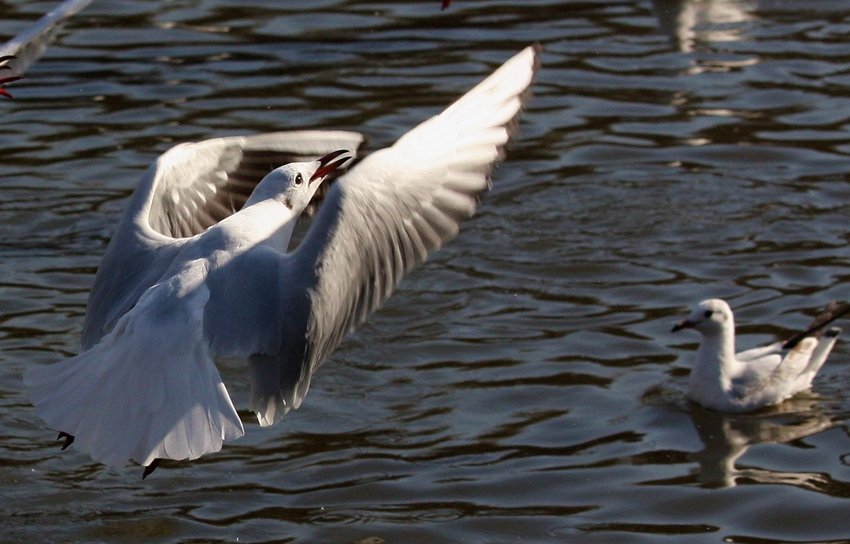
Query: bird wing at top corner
(385, 216)
(30, 44)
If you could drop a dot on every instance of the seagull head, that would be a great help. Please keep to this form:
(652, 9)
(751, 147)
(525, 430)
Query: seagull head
(709, 316)
(294, 184)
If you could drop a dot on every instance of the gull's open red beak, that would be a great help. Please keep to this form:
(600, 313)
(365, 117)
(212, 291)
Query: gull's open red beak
(326, 166)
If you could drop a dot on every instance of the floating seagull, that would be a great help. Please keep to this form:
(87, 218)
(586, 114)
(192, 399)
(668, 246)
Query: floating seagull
(730, 382)
(26, 47)
(192, 274)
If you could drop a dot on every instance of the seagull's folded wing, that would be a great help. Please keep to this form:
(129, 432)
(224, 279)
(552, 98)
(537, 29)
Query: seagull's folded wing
(773, 373)
(186, 190)
(379, 221)
(754, 354)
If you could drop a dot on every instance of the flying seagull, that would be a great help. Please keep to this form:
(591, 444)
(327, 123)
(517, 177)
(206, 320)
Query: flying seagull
(199, 267)
(728, 382)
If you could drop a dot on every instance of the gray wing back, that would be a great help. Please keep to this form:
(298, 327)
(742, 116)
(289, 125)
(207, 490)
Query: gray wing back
(382, 219)
(243, 313)
(188, 189)
(251, 313)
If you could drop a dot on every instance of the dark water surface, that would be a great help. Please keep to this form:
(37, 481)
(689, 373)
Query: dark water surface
(523, 385)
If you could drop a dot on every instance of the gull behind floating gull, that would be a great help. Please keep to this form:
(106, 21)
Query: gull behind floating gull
(730, 382)
(190, 274)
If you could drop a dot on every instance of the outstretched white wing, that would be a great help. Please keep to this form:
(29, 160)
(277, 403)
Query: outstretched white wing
(379, 221)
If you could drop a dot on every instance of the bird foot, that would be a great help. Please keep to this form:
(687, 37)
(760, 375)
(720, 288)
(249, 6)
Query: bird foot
(150, 468)
(68, 440)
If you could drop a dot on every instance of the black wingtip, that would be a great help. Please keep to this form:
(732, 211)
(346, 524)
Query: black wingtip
(150, 468)
(833, 311)
(68, 439)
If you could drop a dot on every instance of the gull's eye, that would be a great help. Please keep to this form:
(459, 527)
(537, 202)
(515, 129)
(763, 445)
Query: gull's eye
(708, 313)
(298, 180)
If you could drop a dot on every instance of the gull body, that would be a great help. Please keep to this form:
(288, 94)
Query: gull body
(724, 380)
(200, 267)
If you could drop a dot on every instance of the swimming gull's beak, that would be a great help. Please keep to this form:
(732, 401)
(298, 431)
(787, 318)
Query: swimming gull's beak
(326, 166)
(683, 325)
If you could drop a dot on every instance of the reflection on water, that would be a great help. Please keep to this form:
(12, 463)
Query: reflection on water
(499, 396)
(727, 437)
(691, 22)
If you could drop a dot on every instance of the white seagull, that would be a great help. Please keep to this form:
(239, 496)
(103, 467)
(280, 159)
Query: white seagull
(728, 382)
(192, 274)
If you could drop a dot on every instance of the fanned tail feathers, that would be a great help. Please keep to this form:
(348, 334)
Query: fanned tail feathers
(126, 399)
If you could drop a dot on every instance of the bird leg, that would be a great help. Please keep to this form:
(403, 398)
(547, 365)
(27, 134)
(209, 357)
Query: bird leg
(150, 468)
(68, 439)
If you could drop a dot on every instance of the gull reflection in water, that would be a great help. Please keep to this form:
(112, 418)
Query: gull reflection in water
(689, 22)
(728, 436)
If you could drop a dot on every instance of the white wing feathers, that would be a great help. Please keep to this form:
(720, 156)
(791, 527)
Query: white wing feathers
(190, 187)
(761, 352)
(782, 369)
(772, 374)
(383, 218)
(195, 185)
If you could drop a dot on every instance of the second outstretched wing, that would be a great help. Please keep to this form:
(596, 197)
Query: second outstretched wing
(379, 221)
